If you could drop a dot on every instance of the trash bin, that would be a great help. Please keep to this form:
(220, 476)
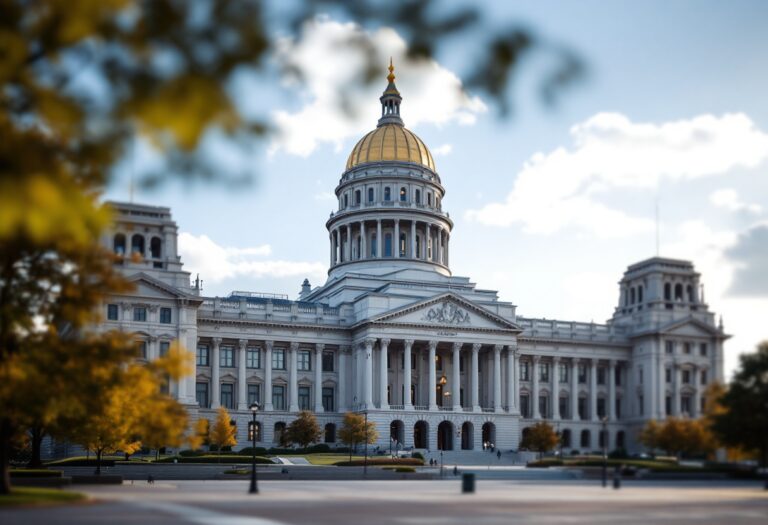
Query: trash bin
(468, 483)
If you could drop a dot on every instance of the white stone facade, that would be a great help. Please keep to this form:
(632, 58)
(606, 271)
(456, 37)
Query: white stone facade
(433, 360)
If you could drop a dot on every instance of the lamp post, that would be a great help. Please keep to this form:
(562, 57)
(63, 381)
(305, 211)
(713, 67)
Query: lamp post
(605, 451)
(254, 407)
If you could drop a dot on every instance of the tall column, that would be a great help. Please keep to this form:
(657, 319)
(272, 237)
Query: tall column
(447, 250)
(612, 390)
(496, 376)
(439, 245)
(432, 376)
(510, 379)
(676, 390)
(319, 377)
(363, 244)
(575, 389)
(379, 253)
(696, 401)
(407, 401)
(475, 378)
(428, 243)
(396, 240)
(292, 379)
(268, 376)
(535, 396)
(515, 353)
(593, 390)
(662, 387)
(242, 396)
(215, 375)
(348, 246)
(456, 369)
(341, 403)
(555, 396)
(413, 240)
(368, 373)
(330, 238)
(383, 374)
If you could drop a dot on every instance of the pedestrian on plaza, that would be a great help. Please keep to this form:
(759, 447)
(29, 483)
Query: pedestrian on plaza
(150, 479)
(498, 454)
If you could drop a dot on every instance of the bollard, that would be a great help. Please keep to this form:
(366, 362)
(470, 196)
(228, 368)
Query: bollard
(468, 483)
(617, 478)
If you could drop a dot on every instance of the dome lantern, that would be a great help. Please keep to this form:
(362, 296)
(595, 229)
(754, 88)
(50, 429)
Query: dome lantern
(390, 101)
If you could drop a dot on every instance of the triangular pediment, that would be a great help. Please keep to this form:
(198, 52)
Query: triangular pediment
(690, 327)
(446, 311)
(147, 286)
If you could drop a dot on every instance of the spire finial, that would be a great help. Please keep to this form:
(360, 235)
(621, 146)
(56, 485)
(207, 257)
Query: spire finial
(391, 76)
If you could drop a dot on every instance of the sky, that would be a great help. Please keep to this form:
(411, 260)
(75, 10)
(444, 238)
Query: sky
(550, 204)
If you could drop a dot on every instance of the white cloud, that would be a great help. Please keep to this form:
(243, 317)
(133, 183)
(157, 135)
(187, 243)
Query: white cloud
(216, 263)
(442, 150)
(728, 199)
(332, 57)
(565, 188)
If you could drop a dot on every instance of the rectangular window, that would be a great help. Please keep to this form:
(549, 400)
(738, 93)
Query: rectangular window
(165, 315)
(582, 374)
(600, 407)
(304, 360)
(687, 348)
(278, 397)
(563, 407)
(413, 362)
(703, 377)
(439, 362)
(669, 347)
(328, 405)
(618, 408)
(525, 409)
(140, 314)
(544, 407)
(165, 346)
(641, 404)
(201, 394)
(668, 375)
(668, 405)
(686, 377)
(582, 408)
(228, 395)
(278, 359)
(640, 375)
(112, 312)
(544, 372)
(253, 357)
(600, 375)
(703, 349)
(303, 398)
(685, 404)
(254, 394)
(525, 371)
(562, 370)
(202, 355)
(461, 363)
(142, 349)
(327, 361)
(227, 357)
(617, 376)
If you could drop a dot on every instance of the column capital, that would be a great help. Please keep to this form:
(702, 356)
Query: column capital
(575, 360)
(433, 345)
(319, 347)
(385, 342)
(216, 341)
(476, 347)
(368, 343)
(498, 348)
(457, 346)
(612, 363)
(556, 359)
(294, 346)
(536, 358)
(242, 343)
(269, 345)
(345, 349)
(408, 343)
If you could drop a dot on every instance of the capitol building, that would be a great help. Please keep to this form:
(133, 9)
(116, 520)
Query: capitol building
(434, 361)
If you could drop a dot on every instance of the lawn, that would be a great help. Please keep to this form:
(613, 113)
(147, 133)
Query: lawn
(323, 459)
(39, 496)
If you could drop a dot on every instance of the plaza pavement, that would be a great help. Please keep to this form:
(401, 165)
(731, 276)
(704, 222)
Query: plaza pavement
(407, 502)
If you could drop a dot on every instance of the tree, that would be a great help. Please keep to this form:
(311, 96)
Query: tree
(649, 435)
(678, 436)
(744, 422)
(198, 435)
(304, 429)
(540, 438)
(353, 431)
(223, 432)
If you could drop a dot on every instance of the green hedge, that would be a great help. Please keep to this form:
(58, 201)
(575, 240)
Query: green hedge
(35, 473)
(378, 462)
(248, 451)
(83, 462)
(418, 455)
(225, 458)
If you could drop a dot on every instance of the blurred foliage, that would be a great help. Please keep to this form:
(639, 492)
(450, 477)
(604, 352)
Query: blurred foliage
(540, 437)
(678, 436)
(303, 430)
(222, 433)
(354, 432)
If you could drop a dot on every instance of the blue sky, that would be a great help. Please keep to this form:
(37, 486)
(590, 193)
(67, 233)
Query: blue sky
(550, 205)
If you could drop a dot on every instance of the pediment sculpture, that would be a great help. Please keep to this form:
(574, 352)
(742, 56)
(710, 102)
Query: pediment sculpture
(446, 313)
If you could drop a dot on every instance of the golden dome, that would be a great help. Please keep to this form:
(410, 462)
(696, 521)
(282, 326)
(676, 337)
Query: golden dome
(391, 142)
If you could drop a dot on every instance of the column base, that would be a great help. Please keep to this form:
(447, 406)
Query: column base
(476, 408)
(457, 408)
(433, 407)
(242, 406)
(384, 407)
(497, 409)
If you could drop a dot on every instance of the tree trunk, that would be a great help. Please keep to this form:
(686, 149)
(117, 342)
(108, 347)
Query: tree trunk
(5, 456)
(98, 461)
(37, 440)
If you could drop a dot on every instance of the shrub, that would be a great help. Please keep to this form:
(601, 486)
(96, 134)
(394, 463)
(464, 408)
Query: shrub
(378, 462)
(319, 448)
(35, 473)
(418, 455)
(544, 463)
(248, 451)
(618, 453)
(191, 453)
(574, 452)
(405, 469)
(82, 462)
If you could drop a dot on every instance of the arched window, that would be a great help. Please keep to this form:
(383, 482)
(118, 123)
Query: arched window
(388, 245)
(632, 295)
(137, 244)
(357, 197)
(689, 292)
(565, 438)
(346, 200)
(403, 195)
(119, 244)
(155, 248)
(418, 196)
(387, 194)
(429, 199)
(359, 248)
(278, 432)
(402, 245)
(370, 194)
(667, 292)
(585, 440)
(330, 433)
(418, 247)
(373, 245)
(640, 294)
(678, 292)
